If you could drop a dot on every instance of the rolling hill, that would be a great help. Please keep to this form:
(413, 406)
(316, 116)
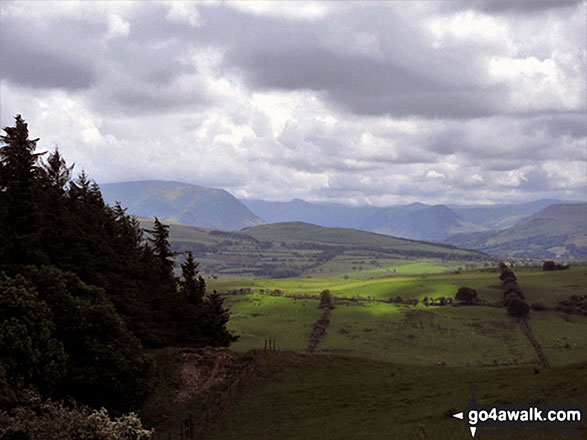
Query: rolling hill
(336, 216)
(298, 249)
(558, 231)
(416, 221)
(420, 222)
(181, 202)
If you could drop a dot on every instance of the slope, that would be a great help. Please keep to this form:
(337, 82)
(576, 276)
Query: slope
(420, 222)
(188, 204)
(558, 231)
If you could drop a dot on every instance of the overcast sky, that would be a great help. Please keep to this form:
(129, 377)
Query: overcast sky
(377, 103)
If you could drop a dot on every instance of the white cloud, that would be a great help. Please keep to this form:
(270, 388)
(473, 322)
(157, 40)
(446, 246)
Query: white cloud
(172, 100)
(117, 27)
(184, 12)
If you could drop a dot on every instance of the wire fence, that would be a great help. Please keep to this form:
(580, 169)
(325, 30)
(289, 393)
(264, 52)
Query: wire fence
(192, 428)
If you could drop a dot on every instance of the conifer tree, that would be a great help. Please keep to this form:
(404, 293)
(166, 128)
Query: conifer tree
(192, 285)
(19, 191)
(217, 316)
(57, 172)
(161, 247)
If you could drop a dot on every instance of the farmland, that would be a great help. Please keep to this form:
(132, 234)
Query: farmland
(375, 373)
(300, 250)
(369, 320)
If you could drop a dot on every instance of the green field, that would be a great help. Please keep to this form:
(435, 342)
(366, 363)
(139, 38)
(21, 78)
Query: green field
(392, 370)
(345, 398)
(258, 317)
(300, 250)
(372, 327)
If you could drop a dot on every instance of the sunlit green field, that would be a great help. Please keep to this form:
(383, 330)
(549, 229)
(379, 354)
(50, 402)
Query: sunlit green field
(463, 336)
(256, 318)
(373, 328)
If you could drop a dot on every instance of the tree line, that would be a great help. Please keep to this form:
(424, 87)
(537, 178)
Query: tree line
(83, 289)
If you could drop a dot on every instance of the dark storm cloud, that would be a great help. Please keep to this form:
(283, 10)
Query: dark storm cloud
(406, 77)
(520, 6)
(29, 62)
(572, 124)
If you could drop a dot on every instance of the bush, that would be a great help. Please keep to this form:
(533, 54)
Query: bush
(52, 421)
(30, 354)
(516, 306)
(466, 295)
(551, 265)
(325, 299)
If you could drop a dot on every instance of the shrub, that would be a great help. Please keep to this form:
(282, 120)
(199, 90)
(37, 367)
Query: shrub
(516, 306)
(30, 354)
(325, 299)
(52, 421)
(466, 295)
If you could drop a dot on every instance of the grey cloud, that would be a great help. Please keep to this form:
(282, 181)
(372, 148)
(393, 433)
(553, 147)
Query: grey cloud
(411, 78)
(571, 124)
(36, 64)
(521, 6)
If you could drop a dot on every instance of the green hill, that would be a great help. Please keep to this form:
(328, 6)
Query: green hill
(421, 222)
(558, 231)
(298, 249)
(188, 204)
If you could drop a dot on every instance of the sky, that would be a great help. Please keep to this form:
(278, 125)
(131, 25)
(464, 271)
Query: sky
(379, 103)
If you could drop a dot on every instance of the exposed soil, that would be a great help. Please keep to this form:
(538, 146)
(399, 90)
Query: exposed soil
(201, 369)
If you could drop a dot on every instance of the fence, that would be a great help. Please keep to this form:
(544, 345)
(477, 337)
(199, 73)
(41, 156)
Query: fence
(193, 430)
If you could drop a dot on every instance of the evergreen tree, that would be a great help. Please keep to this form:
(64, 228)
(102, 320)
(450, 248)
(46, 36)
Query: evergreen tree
(57, 172)
(19, 189)
(216, 318)
(161, 246)
(192, 285)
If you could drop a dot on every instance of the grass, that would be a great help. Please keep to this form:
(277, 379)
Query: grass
(258, 317)
(458, 336)
(375, 375)
(285, 249)
(338, 398)
(414, 335)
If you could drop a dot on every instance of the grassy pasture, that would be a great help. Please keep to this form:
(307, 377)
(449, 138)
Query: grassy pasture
(304, 250)
(486, 283)
(347, 398)
(458, 336)
(463, 336)
(257, 317)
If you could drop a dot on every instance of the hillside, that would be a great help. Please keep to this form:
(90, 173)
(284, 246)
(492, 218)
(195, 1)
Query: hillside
(188, 204)
(298, 249)
(417, 221)
(498, 217)
(319, 214)
(558, 231)
(420, 222)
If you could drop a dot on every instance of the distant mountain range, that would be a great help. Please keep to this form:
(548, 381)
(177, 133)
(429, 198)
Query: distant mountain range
(497, 229)
(415, 221)
(181, 202)
(558, 231)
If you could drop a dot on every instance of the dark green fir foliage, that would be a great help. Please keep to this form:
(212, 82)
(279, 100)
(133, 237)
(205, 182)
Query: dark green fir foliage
(192, 285)
(161, 248)
(215, 317)
(19, 188)
(84, 287)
